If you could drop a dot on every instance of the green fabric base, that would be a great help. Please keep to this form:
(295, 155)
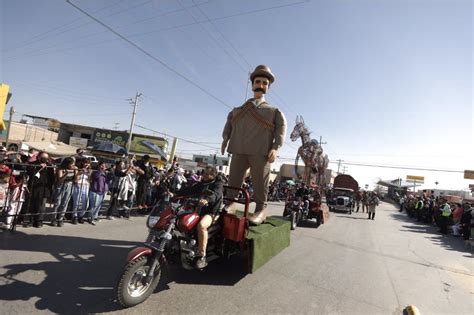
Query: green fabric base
(267, 240)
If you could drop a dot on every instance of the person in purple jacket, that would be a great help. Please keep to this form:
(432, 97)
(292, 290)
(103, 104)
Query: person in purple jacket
(98, 189)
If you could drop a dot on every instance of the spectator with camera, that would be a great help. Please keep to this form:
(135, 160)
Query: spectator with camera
(98, 189)
(40, 186)
(145, 175)
(64, 182)
(80, 191)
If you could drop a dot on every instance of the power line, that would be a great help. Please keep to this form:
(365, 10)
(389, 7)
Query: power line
(226, 17)
(76, 96)
(416, 168)
(404, 167)
(165, 14)
(212, 37)
(151, 56)
(74, 40)
(82, 102)
(179, 138)
(34, 53)
(226, 40)
(218, 43)
(272, 91)
(41, 36)
(97, 114)
(80, 26)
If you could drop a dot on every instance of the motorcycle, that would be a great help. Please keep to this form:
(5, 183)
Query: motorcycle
(300, 210)
(172, 239)
(294, 210)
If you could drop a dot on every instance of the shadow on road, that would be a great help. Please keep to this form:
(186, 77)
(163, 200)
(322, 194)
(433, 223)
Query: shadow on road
(80, 280)
(219, 272)
(83, 275)
(310, 223)
(350, 216)
(447, 241)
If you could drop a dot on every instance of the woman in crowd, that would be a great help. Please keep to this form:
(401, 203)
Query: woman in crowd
(98, 189)
(80, 191)
(15, 198)
(121, 188)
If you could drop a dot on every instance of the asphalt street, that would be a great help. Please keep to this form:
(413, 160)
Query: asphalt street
(350, 265)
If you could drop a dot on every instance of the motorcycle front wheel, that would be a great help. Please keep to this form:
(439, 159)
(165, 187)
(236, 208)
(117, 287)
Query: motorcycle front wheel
(132, 289)
(294, 219)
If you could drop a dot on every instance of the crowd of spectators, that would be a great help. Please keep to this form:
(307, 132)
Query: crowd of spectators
(35, 188)
(279, 190)
(451, 216)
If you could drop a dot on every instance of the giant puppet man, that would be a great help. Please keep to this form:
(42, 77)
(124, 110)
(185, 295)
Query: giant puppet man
(253, 134)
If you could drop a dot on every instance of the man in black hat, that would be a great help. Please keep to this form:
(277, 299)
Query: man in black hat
(145, 174)
(252, 134)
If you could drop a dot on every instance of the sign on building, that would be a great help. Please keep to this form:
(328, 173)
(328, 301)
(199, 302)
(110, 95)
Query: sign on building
(148, 145)
(119, 138)
(418, 179)
(78, 142)
(468, 174)
(4, 97)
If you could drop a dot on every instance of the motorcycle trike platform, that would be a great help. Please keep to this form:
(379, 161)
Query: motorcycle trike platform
(261, 242)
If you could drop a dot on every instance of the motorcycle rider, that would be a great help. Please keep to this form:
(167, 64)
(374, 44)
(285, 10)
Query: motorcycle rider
(210, 191)
(302, 193)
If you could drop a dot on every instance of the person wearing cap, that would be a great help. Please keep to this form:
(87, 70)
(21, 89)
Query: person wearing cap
(253, 134)
(145, 174)
(40, 186)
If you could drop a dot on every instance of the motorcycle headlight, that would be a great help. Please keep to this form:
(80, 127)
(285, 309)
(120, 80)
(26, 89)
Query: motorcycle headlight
(152, 220)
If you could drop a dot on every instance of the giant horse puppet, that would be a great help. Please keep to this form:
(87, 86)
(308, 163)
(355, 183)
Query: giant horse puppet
(311, 153)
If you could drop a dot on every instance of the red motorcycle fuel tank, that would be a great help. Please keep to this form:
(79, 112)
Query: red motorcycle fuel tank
(188, 221)
(165, 217)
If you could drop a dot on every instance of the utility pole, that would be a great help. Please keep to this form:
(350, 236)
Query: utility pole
(321, 141)
(134, 103)
(344, 169)
(338, 166)
(12, 111)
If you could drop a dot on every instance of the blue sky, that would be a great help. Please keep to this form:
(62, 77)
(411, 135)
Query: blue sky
(383, 82)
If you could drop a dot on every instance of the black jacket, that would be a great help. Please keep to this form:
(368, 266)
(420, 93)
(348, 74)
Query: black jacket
(41, 187)
(147, 169)
(211, 191)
